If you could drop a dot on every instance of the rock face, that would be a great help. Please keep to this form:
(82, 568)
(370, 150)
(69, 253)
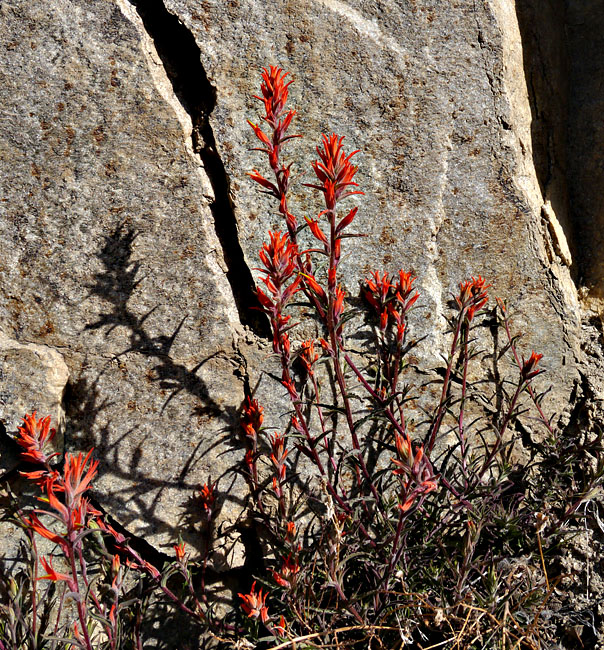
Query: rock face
(32, 377)
(129, 228)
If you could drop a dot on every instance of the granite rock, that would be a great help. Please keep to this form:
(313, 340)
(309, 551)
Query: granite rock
(32, 378)
(129, 230)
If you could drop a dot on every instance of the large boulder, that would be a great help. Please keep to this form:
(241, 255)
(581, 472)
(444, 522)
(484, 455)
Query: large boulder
(129, 230)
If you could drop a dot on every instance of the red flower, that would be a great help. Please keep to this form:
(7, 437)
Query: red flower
(278, 258)
(248, 459)
(403, 290)
(308, 357)
(377, 290)
(338, 308)
(51, 574)
(252, 418)
(274, 97)
(254, 604)
(279, 454)
(529, 366)
(207, 496)
(76, 478)
(390, 300)
(334, 170)
(472, 296)
(180, 550)
(274, 92)
(33, 435)
(287, 574)
(290, 531)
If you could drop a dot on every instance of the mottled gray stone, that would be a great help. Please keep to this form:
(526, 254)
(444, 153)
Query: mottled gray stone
(32, 378)
(109, 255)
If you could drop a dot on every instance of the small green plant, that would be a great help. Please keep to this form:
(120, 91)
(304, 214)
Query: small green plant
(413, 529)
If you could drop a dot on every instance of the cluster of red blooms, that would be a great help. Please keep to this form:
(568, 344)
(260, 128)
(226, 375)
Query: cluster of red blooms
(73, 516)
(251, 422)
(274, 96)
(308, 356)
(391, 299)
(279, 260)
(287, 270)
(33, 436)
(278, 457)
(472, 296)
(74, 510)
(335, 173)
(207, 497)
(529, 367)
(254, 604)
(418, 477)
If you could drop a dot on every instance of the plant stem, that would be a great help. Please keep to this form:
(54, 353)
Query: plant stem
(443, 397)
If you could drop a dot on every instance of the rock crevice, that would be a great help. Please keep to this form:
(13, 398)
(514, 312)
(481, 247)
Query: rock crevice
(180, 55)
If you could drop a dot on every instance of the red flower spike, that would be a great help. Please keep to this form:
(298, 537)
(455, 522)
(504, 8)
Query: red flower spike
(280, 629)
(472, 296)
(338, 305)
(254, 604)
(77, 478)
(405, 284)
(408, 503)
(278, 258)
(115, 565)
(53, 502)
(180, 550)
(248, 459)
(207, 497)
(334, 170)
(274, 93)
(33, 435)
(403, 447)
(290, 532)
(279, 455)
(286, 575)
(308, 356)
(384, 320)
(252, 418)
(377, 290)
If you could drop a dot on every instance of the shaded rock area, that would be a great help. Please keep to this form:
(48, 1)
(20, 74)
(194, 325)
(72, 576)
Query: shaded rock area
(129, 231)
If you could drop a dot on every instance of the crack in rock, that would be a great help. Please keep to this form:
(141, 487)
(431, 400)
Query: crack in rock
(181, 59)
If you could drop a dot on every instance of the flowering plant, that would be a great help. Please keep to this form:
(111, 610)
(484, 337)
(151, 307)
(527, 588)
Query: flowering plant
(414, 529)
(410, 548)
